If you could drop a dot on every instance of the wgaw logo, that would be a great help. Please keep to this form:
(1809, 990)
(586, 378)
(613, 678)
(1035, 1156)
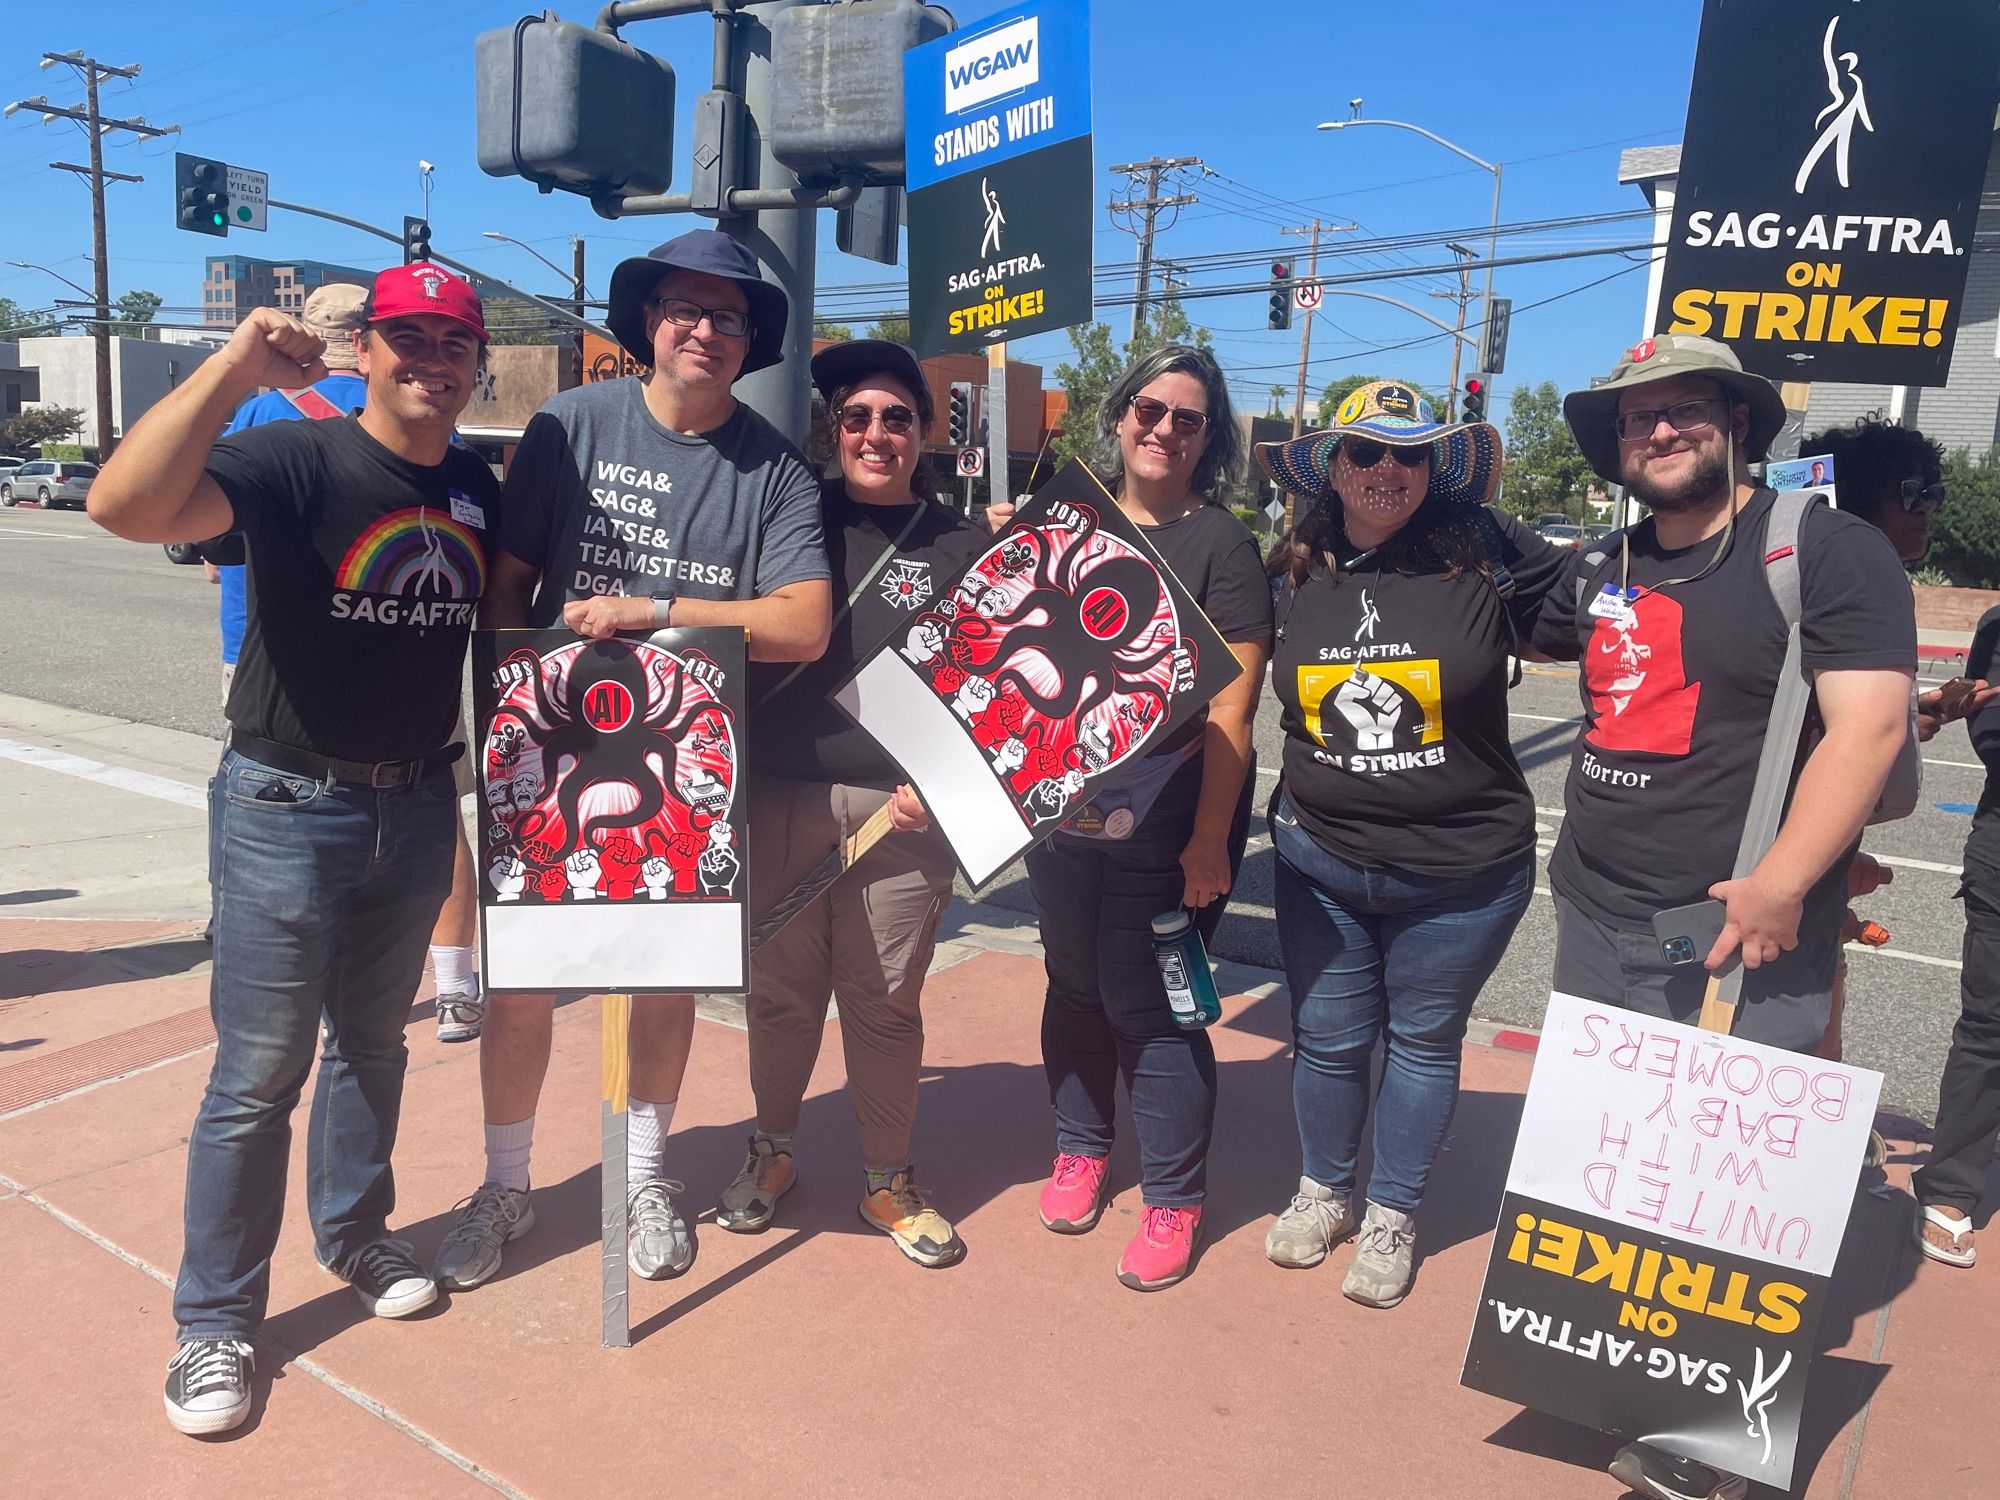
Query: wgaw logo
(999, 62)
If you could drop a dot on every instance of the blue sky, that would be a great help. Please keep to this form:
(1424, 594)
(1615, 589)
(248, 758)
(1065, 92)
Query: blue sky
(339, 101)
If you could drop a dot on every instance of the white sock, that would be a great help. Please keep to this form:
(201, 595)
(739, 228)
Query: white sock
(507, 1151)
(456, 973)
(646, 1127)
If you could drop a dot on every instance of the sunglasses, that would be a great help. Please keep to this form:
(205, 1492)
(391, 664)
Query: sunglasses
(1187, 421)
(1365, 453)
(1683, 416)
(856, 419)
(1916, 495)
(730, 322)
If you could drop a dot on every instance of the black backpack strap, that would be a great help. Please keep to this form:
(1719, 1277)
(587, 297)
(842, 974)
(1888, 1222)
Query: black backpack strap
(1493, 545)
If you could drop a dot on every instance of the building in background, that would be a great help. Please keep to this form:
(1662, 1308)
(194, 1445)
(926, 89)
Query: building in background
(18, 385)
(1964, 412)
(234, 285)
(142, 371)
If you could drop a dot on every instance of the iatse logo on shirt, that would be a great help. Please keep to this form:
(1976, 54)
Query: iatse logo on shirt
(417, 567)
(1377, 717)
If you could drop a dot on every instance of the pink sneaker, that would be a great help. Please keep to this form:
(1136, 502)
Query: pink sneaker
(1073, 1196)
(1161, 1252)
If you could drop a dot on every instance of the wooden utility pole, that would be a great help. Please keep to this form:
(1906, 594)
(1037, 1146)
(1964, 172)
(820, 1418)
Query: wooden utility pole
(94, 123)
(1462, 296)
(576, 301)
(1144, 212)
(1305, 325)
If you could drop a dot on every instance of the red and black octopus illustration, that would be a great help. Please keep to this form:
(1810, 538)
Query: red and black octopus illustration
(610, 774)
(1060, 651)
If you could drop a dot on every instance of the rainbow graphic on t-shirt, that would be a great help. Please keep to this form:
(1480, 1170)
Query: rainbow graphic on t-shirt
(418, 551)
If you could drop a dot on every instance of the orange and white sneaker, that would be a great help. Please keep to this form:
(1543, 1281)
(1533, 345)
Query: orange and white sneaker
(1162, 1252)
(751, 1201)
(900, 1211)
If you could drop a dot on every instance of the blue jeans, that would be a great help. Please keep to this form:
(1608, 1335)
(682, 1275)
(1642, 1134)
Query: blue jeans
(1370, 953)
(325, 896)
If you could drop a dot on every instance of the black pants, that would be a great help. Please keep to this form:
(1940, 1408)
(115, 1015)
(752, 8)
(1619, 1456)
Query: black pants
(1968, 1116)
(1106, 1011)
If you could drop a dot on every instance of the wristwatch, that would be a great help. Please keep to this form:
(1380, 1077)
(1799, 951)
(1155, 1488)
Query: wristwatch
(663, 608)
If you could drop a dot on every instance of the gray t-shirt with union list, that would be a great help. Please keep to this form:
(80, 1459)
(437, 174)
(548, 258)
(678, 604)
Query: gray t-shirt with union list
(605, 500)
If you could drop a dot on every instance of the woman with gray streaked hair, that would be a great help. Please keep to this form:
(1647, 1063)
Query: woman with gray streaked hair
(1168, 835)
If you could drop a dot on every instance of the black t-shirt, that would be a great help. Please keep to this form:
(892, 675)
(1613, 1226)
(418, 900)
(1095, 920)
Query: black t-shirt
(799, 734)
(1215, 557)
(1394, 689)
(1983, 847)
(364, 571)
(1675, 701)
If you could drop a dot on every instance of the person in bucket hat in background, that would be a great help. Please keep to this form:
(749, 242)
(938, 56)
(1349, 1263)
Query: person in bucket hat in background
(333, 813)
(1404, 829)
(637, 503)
(1681, 644)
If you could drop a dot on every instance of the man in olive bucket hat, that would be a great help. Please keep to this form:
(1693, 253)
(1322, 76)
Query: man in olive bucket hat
(1681, 645)
(632, 504)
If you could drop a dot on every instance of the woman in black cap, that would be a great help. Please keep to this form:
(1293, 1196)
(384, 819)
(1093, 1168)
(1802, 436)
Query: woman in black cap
(815, 778)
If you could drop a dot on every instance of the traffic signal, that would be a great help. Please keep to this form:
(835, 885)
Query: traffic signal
(1493, 354)
(961, 413)
(201, 194)
(1281, 295)
(416, 240)
(1472, 401)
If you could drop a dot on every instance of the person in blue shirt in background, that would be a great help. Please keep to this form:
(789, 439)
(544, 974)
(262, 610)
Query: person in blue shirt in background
(334, 313)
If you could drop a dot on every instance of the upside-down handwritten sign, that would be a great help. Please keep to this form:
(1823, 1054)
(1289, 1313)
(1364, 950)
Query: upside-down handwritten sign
(1673, 1211)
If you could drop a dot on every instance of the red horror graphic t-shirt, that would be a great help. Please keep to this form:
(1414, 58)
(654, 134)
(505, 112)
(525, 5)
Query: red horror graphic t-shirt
(1676, 696)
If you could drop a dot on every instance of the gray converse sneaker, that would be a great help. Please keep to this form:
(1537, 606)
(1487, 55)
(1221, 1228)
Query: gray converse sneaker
(657, 1243)
(460, 1018)
(1313, 1225)
(492, 1216)
(1386, 1263)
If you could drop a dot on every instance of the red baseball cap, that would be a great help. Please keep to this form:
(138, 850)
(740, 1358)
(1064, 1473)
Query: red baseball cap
(425, 290)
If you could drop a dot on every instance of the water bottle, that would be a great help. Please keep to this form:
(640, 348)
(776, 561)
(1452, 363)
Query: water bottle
(1183, 961)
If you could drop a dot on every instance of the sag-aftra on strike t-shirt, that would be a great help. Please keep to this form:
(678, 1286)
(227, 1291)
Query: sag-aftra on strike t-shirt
(605, 500)
(1675, 700)
(364, 572)
(1394, 689)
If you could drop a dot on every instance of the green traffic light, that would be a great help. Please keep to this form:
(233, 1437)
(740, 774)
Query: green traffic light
(216, 219)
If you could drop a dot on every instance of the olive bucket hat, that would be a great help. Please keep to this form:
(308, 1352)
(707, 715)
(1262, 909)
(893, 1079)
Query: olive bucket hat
(1592, 415)
(1465, 456)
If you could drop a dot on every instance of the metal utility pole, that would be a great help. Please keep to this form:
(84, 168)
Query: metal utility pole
(1144, 213)
(1462, 296)
(1305, 325)
(95, 125)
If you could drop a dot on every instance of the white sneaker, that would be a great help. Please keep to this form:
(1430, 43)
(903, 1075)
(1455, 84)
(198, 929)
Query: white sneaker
(460, 1018)
(1313, 1225)
(657, 1243)
(491, 1217)
(1660, 1475)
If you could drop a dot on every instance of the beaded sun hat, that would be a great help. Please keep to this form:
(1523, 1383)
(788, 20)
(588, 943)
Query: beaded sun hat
(1465, 456)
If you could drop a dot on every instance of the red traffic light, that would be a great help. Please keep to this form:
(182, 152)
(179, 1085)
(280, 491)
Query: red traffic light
(1474, 387)
(1281, 270)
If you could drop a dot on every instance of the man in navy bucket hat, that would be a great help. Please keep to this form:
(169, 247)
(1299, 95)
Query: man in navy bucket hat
(646, 501)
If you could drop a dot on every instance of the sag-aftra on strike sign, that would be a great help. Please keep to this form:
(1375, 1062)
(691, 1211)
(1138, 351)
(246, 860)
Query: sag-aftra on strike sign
(1829, 182)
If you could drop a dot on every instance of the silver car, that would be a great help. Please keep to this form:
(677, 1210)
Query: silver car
(48, 482)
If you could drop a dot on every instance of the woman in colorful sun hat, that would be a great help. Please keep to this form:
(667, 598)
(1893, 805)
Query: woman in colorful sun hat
(1404, 830)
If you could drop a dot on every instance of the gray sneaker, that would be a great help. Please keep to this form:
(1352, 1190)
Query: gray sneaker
(657, 1242)
(490, 1218)
(460, 1018)
(1386, 1263)
(1313, 1225)
(751, 1201)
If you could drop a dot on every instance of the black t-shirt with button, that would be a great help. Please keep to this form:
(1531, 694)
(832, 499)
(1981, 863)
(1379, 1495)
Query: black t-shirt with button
(364, 573)
(1394, 689)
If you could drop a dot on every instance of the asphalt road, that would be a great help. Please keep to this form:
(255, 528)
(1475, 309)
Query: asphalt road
(93, 623)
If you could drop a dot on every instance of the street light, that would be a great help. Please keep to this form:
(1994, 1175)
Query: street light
(1492, 234)
(574, 276)
(28, 265)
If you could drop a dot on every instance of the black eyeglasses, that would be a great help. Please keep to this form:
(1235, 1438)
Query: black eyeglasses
(1916, 495)
(730, 322)
(1365, 453)
(1187, 421)
(1683, 416)
(857, 419)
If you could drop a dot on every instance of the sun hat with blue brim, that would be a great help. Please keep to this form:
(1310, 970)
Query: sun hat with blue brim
(1465, 456)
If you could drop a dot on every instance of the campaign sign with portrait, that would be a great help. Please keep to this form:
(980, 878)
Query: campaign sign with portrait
(1672, 1215)
(1829, 182)
(611, 826)
(1066, 655)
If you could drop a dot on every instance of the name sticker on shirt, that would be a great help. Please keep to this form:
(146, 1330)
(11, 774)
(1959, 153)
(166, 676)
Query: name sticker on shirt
(1614, 604)
(467, 511)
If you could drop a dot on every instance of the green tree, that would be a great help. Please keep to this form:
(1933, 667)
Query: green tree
(1099, 362)
(1546, 472)
(39, 425)
(1965, 534)
(1339, 390)
(16, 323)
(134, 310)
(1277, 405)
(896, 330)
(840, 333)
